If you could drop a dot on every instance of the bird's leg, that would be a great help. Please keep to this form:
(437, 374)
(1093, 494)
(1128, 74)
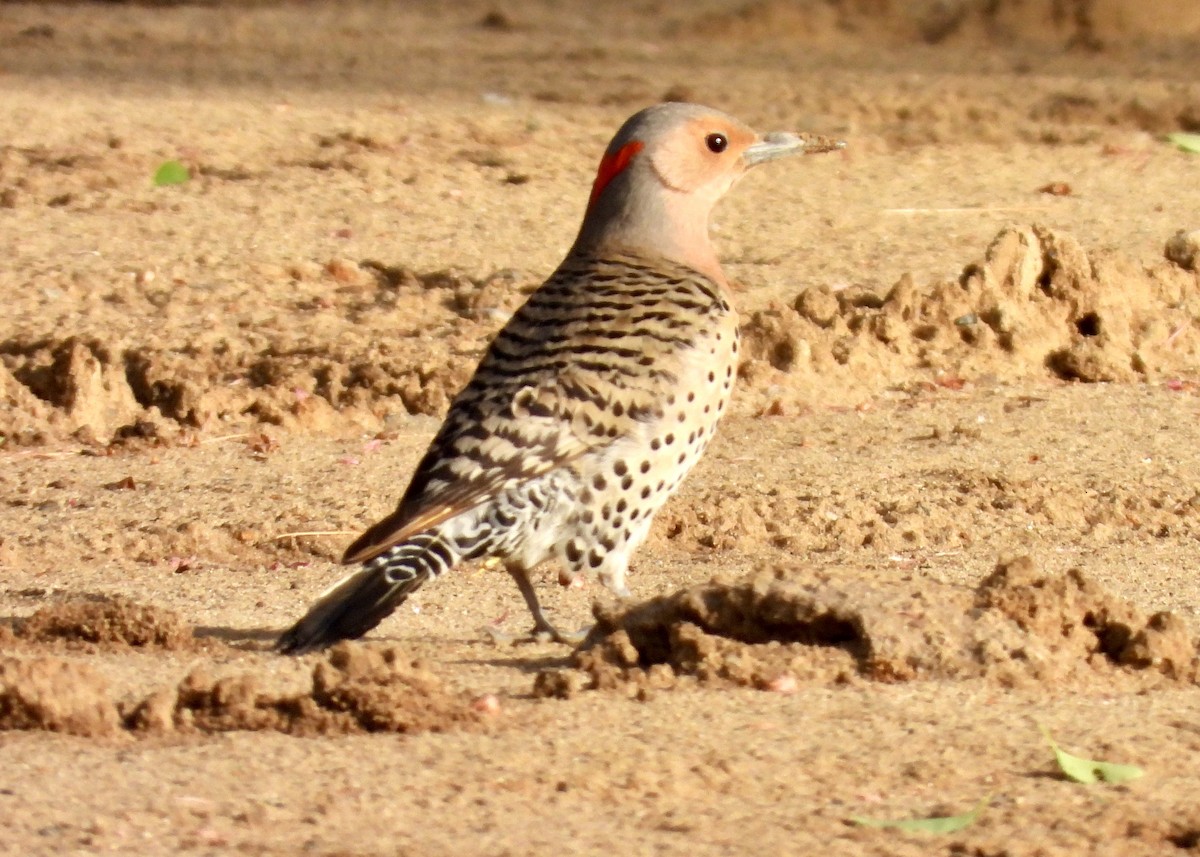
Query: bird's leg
(542, 630)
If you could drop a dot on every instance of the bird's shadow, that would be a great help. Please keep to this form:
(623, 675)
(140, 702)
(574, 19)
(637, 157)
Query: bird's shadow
(246, 639)
(263, 640)
(528, 666)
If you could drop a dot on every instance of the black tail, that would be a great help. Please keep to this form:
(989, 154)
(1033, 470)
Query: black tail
(362, 600)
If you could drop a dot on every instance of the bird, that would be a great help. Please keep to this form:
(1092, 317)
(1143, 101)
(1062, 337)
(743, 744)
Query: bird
(593, 401)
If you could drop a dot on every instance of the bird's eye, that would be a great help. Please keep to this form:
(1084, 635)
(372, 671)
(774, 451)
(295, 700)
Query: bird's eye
(716, 143)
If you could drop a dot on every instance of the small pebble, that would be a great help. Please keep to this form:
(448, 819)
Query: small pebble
(1183, 248)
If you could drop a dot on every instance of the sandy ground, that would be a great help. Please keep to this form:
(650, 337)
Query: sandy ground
(956, 499)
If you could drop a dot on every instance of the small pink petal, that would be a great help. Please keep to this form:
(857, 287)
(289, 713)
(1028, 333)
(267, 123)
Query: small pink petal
(487, 704)
(785, 683)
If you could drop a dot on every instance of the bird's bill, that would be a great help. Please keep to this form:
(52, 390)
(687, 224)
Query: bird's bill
(780, 144)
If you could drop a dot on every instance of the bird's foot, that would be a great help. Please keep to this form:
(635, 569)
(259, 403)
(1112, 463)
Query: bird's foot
(546, 633)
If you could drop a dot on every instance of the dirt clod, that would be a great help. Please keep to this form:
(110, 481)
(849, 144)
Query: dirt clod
(55, 695)
(1183, 248)
(354, 689)
(787, 625)
(1037, 305)
(108, 622)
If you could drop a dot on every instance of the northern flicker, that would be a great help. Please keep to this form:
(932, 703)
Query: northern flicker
(594, 400)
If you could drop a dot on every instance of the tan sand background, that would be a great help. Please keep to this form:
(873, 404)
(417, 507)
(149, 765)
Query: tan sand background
(957, 496)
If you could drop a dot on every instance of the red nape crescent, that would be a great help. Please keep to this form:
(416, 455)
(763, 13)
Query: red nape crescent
(610, 166)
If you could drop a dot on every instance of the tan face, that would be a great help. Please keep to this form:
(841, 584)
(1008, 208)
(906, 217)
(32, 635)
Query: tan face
(703, 155)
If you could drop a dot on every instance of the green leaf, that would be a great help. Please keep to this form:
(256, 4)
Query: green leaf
(1089, 770)
(169, 173)
(1187, 142)
(941, 824)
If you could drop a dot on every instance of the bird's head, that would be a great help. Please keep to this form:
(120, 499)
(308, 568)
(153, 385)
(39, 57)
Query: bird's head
(664, 171)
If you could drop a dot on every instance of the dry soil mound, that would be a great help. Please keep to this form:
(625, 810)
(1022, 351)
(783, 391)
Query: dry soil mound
(107, 622)
(1036, 305)
(56, 696)
(790, 626)
(1085, 24)
(368, 360)
(353, 689)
